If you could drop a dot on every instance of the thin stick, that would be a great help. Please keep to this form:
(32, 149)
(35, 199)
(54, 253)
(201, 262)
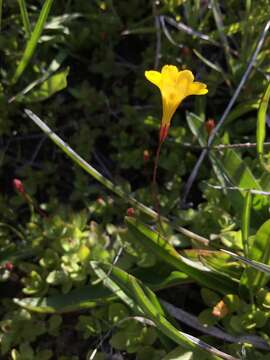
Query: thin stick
(158, 35)
(107, 183)
(221, 147)
(215, 131)
(214, 331)
(235, 188)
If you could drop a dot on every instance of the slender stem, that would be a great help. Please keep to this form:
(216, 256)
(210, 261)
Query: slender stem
(25, 18)
(155, 186)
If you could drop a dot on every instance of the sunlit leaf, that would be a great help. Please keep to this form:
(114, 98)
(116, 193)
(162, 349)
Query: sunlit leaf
(49, 87)
(33, 41)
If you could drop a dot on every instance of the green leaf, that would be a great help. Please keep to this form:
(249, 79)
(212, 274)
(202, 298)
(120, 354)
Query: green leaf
(106, 274)
(147, 304)
(246, 221)
(49, 87)
(86, 297)
(182, 354)
(238, 172)
(181, 338)
(239, 175)
(261, 124)
(196, 124)
(260, 252)
(154, 242)
(219, 262)
(93, 295)
(254, 264)
(230, 170)
(25, 17)
(242, 109)
(33, 41)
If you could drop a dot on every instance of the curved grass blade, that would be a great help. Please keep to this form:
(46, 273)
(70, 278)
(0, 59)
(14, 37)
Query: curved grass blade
(53, 67)
(25, 18)
(107, 183)
(84, 298)
(48, 87)
(33, 41)
(261, 123)
(220, 27)
(242, 109)
(153, 242)
(106, 273)
(254, 264)
(260, 253)
(226, 112)
(140, 295)
(187, 341)
(217, 261)
(246, 221)
(90, 296)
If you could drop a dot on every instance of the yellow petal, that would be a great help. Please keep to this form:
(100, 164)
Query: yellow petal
(169, 72)
(185, 75)
(153, 76)
(197, 88)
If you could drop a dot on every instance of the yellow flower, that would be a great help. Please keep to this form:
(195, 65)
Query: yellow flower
(174, 86)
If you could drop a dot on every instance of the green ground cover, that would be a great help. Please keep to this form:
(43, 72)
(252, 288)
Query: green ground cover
(96, 261)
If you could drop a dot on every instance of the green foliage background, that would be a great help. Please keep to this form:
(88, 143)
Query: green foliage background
(79, 65)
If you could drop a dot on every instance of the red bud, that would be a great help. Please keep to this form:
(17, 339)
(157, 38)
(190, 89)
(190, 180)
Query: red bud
(185, 51)
(9, 266)
(209, 126)
(130, 212)
(18, 185)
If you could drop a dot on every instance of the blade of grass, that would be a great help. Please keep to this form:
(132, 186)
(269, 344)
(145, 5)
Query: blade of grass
(107, 183)
(246, 221)
(25, 18)
(252, 263)
(220, 27)
(53, 67)
(89, 296)
(1, 9)
(181, 338)
(154, 243)
(140, 295)
(242, 109)
(252, 277)
(105, 277)
(85, 297)
(33, 41)
(261, 123)
(87, 167)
